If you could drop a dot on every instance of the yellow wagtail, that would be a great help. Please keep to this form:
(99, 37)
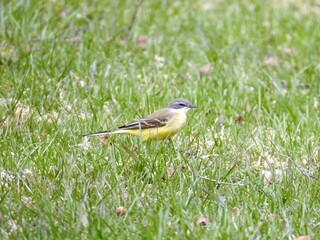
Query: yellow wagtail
(159, 125)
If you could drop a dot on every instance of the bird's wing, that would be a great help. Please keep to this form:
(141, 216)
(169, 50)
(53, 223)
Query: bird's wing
(155, 120)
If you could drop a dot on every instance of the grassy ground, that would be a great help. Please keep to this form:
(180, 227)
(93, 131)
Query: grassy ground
(246, 166)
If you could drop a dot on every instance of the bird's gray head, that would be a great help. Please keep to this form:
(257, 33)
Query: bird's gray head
(181, 103)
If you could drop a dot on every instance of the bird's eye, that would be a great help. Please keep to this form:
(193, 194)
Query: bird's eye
(181, 104)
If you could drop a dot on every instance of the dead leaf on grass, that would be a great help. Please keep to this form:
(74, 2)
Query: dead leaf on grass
(205, 70)
(121, 211)
(203, 221)
(142, 42)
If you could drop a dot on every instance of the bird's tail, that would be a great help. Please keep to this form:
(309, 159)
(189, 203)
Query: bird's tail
(97, 133)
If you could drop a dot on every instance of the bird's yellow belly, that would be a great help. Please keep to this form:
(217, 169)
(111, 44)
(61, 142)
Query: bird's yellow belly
(158, 133)
(168, 131)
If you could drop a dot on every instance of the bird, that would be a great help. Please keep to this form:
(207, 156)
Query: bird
(160, 125)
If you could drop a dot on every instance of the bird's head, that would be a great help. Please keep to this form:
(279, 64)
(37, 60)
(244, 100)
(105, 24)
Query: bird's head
(181, 103)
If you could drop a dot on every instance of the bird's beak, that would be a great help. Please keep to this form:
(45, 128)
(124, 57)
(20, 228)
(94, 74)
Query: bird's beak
(192, 106)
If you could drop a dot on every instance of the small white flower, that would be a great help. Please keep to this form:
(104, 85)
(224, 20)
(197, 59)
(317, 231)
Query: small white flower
(5, 178)
(159, 59)
(85, 144)
(26, 200)
(27, 173)
(12, 225)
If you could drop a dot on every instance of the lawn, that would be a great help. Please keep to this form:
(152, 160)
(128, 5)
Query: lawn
(245, 166)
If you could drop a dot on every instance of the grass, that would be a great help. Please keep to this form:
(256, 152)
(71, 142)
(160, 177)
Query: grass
(246, 165)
